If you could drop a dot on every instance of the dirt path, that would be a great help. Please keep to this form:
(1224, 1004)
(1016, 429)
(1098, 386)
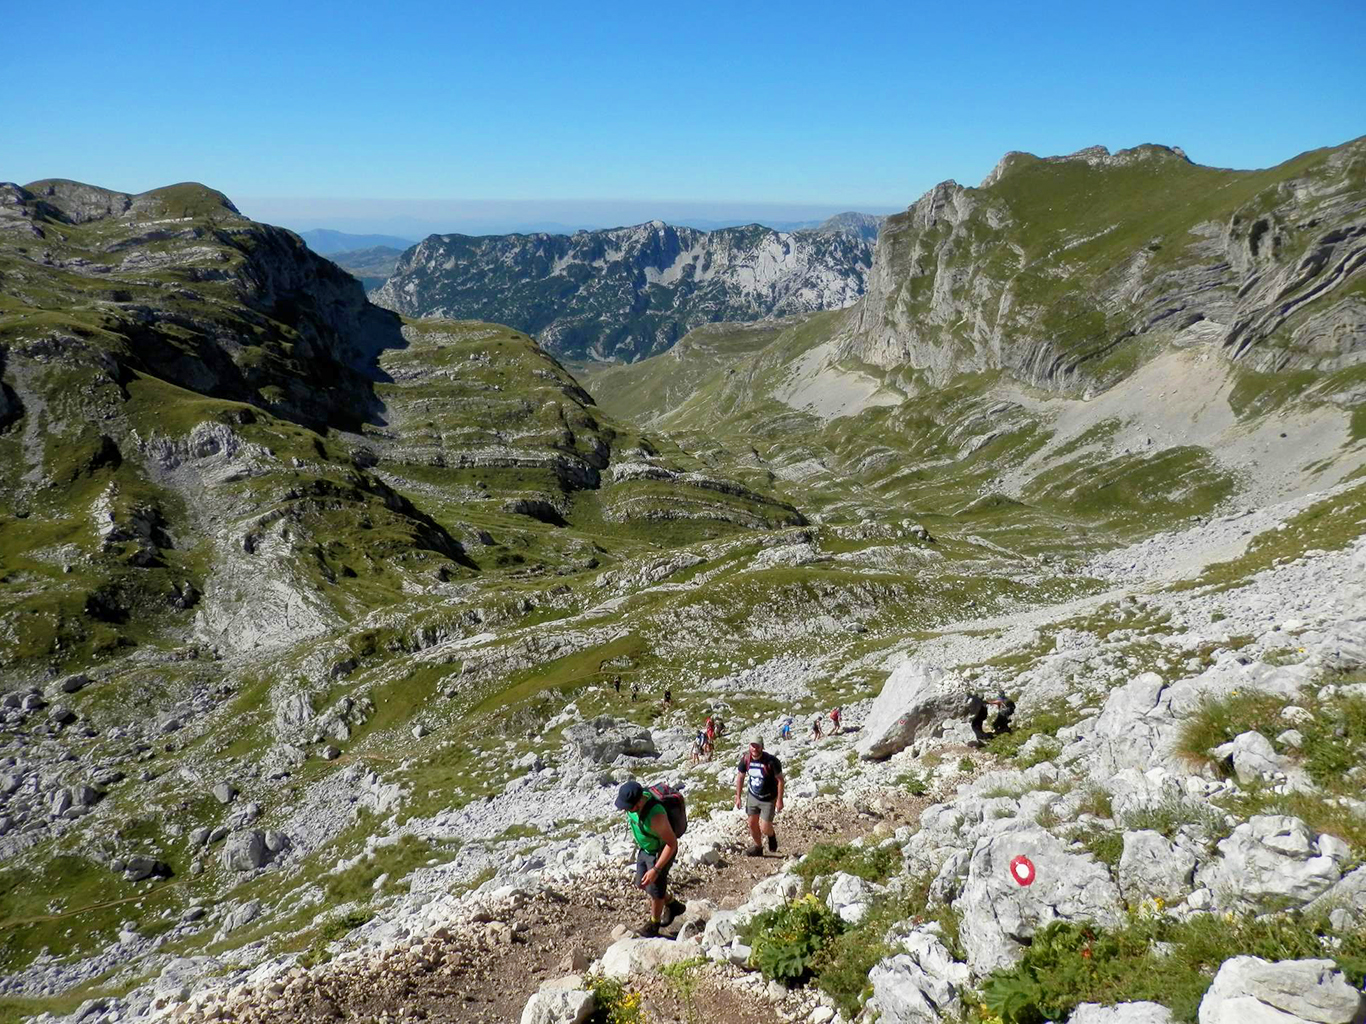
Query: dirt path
(486, 977)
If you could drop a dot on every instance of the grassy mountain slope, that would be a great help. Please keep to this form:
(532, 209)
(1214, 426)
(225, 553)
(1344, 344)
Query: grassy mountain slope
(1069, 271)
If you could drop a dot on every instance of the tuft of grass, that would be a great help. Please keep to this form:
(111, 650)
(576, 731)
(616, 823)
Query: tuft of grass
(1046, 719)
(1152, 958)
(873, 863)
(1217, 720)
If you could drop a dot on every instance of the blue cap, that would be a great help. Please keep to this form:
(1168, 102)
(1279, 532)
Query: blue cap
(628, 794)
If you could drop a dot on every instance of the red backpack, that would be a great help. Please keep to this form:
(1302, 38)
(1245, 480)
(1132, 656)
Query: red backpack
(672, 802)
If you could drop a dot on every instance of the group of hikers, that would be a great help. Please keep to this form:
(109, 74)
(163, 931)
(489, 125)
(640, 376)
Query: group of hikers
(704, 743)
(635, 691)
(785, 730)
(657, 817)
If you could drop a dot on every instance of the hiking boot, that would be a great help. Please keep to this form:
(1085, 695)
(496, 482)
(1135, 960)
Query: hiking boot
(673, 910)
(649, 930)
(772, 844)
(755, 851)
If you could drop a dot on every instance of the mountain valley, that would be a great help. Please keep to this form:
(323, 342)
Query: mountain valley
(315, 608)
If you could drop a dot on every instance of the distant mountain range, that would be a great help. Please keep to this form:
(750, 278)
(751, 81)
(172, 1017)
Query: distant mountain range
(626, 293)
(325, 241)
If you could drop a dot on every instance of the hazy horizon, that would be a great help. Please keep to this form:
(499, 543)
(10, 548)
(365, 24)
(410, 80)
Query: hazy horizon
(416, 219)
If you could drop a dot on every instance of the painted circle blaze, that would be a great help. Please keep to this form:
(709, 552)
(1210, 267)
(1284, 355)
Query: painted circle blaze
(1022, 870)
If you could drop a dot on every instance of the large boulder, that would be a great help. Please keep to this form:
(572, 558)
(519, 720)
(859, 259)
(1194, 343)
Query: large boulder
(1274, 858)
(1250, 990)
(603, 739)
(919, 700)
(244, 851)
(1021, 880)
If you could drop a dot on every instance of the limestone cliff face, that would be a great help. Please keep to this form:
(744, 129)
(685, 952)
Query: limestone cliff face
(627, 292)
(1056, 269)
(177, 283)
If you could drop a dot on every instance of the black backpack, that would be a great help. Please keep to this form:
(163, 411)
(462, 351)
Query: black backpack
(674, 806)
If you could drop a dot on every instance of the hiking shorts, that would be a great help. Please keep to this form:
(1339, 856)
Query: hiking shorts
(644, 862)
(763, 808)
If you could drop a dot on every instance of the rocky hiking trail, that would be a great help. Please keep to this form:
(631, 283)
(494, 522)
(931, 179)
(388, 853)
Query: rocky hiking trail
(484, 971)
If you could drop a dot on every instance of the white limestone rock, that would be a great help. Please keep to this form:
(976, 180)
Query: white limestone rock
(553, 1006)
(1273, 857)
(1121, 1013)
(999, 913)
(1250, 990)
(1152, 866)
(918, 700)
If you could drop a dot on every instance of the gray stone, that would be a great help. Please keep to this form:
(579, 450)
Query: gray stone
(1250, 990)
(1273, 858)
(276, 841)
(224, 792)
(73, 684)
(642, 956)
(244, 851)
(62, 715)
(1254, 757)
(1121, 1013)
(904, 992)
(138, 868)
(331, 753)
(850, 897)
(199, 836)
(241, 916)
(603, 739)
(918, 700)
(1153, 867)
(999, 914)
(559, 1007)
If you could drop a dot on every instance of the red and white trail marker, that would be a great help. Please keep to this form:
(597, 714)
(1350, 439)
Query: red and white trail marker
(1022, 870)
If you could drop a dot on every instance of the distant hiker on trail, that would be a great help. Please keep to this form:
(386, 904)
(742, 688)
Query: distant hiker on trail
(656, 848)
(635, 692)
(668, 698)
(785, 731)
(762, 797)
(816, 728)
(616, 682)
(699, 744)
(835, 722)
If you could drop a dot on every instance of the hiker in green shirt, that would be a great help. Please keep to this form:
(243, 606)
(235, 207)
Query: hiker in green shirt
(656, 848)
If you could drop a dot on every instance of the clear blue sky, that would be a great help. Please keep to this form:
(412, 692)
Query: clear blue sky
(841, 105)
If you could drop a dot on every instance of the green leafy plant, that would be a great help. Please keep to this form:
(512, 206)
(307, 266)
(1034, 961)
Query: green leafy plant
(786, 940)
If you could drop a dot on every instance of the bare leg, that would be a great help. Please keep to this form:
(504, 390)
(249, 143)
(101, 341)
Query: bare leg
(657, 908)
(754, 829)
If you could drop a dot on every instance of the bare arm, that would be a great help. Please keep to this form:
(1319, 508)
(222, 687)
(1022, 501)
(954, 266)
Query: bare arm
(739, 787)
(782, 782)
(660, 826)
